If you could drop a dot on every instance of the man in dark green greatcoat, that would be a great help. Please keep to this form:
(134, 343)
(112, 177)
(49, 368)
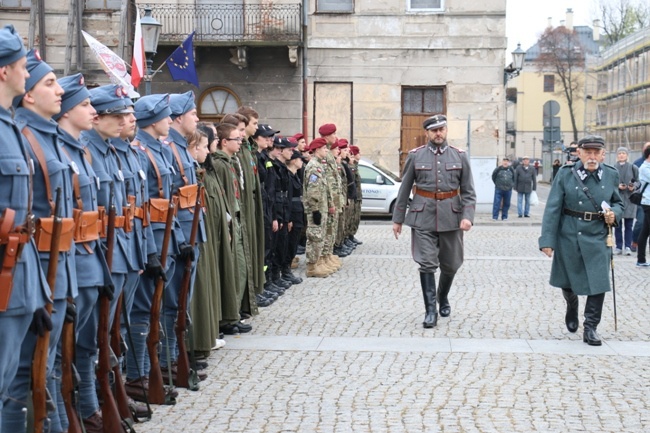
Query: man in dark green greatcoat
(576, 227)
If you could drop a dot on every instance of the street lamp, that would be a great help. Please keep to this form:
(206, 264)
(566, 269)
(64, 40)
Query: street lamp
(151, 29)
(513, 69)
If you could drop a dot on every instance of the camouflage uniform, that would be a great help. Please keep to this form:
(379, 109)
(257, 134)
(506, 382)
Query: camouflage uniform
(333, 200)
(355, 216)
(343, 215)
(316, 199)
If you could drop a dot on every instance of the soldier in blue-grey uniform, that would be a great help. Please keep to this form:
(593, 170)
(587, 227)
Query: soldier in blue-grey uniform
(575, 229)
(52, 170)
(184, 121)
(442, 209)
(77, 115)
(153, 119)
(23, 289)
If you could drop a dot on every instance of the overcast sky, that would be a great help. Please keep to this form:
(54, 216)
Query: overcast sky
(526, 20)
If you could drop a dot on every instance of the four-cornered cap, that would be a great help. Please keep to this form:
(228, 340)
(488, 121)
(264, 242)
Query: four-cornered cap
(354, 150)
(316, 143)
(110, 99)
(282, 143)
(11, 46)
(327, 129)
(75, 93)
(592, 142)
(37, 69)
(343, 143)
(152, 108)
(181, 103)
(435, 122)
(264, 130)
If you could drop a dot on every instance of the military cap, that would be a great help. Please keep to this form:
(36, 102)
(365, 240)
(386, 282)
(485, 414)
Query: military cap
(435, 122)
(152, 108)
(342, 143)
(110, 99)
(316, 143)
(592, 142)
(11, 46)
(354, 150)
(295, 155)
(37, 69)
(282, 143)
(264, 130)
(327, 129)
(297, 137)
(181, 103)
(75, 93)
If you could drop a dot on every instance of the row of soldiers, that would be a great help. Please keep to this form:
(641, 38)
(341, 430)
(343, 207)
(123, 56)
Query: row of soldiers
(104, 219)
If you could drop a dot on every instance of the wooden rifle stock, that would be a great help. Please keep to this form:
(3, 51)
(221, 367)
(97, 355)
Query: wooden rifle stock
(116, 338)
(39, 363)
(185, 376)
(110, 416)
(156, 386)
(67, 376)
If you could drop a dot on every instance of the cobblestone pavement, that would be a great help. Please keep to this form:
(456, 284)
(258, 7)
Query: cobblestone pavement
(348, 353)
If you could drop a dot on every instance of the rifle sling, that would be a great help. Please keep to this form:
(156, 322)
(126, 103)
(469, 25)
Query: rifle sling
(177, 156)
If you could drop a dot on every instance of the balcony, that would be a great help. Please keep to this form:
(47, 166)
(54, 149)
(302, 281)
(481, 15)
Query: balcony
(231, 24)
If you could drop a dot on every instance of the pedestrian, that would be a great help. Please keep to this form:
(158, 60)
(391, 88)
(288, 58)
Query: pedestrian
(525, 184)
(644, 178)
(628, 175)
(504, 179)
(574, 233)
(556, 166)
(442, 209)
(638, 222)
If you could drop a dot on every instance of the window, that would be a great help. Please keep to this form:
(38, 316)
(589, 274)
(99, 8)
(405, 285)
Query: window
(428, 100)
(425, 5)
(216, 103)
(103, 4)
(341, 6)
(15, 3)
(549, 83)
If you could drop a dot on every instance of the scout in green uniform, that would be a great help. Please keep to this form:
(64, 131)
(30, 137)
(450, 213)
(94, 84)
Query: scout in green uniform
(575, 227)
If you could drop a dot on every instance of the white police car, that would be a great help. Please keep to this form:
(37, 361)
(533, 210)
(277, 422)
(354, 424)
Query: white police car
(379, 187)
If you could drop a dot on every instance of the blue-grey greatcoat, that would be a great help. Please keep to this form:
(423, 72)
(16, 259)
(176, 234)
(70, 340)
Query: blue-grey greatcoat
(581, 258)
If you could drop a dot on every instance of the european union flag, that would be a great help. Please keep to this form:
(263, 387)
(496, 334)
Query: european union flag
(181, 62)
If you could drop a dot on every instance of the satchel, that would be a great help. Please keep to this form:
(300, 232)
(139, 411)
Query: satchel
(637, 195)
(43, 234)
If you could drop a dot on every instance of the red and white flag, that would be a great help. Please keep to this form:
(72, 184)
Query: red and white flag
(137, 63)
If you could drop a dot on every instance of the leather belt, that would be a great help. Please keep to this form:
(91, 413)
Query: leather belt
(436, 195)
(585, 216)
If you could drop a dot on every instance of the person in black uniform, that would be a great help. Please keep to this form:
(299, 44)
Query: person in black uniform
(296, 207)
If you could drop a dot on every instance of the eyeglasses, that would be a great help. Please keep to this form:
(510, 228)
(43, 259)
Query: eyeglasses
(234, 139)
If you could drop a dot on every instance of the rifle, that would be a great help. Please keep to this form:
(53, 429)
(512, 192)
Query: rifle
(157, 394)
(185, 376)
(110, 416)
(69, 378)
(39, 363)
(116, 345)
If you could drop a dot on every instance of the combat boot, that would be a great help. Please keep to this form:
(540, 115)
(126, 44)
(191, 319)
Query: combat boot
(443, 293)
(336, 260)
(571, 318)
(314, 271)
(428, 283)
(329, 260)
(278, 281)
(289, 276)
(325, 265)
(593, 312)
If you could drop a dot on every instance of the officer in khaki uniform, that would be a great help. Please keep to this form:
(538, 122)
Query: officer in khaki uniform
(442, 209)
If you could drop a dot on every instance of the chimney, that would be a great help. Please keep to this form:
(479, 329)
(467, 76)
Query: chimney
(596, 30)
(569, 19)
(549, 22)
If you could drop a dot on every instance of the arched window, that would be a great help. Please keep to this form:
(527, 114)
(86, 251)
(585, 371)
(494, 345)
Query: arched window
(216, 102)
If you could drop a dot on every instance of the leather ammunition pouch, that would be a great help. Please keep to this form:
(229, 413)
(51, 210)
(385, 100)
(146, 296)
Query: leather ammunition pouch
(88, 225)
(187, 196)
(120, 222)
(11, 245)
(43, 234)
(158, 208)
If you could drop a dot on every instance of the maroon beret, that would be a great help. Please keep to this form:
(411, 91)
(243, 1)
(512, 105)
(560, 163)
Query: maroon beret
(327, 129)
(342, 143)
(316, 143)
(354, 150)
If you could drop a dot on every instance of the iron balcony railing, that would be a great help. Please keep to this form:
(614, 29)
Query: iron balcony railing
(229, 23)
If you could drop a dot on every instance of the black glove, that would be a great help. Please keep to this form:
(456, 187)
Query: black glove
(186, 252)
(107, 290)
(70, 312)
(317, 217)
(154, 268)
(41, 322)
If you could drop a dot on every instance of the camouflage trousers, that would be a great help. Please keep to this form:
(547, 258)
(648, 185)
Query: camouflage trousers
(315, 240)
(355, 218)
(341, 230)
(331, 226)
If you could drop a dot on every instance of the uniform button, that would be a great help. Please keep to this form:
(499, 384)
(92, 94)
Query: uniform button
(18, 168)
(579, 202)
(579, 233)
(439, 180)
(438, 162)
(439, 171)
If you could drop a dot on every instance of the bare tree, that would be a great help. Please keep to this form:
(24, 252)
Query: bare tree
(562, 53)
(621, 18)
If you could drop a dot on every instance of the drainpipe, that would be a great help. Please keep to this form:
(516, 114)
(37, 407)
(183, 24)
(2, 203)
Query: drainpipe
(305, 15)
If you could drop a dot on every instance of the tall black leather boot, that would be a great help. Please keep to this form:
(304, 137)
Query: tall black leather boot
(593, 311)
(428, 283)
(444, 284)
(571, 318)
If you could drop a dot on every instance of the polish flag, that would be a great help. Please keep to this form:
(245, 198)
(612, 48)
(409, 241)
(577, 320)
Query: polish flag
(137, 63)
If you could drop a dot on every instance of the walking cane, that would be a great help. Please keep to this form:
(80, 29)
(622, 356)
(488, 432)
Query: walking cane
(610, 244)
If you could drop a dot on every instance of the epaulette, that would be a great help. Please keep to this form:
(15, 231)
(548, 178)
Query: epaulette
(458, 149)
(417, 148)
